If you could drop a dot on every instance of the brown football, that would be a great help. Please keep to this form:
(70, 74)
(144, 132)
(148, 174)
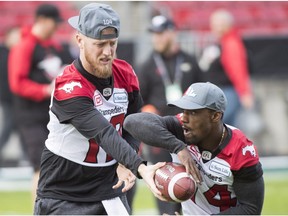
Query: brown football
(174, 183)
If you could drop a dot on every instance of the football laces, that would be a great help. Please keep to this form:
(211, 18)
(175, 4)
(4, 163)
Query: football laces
(162, 175)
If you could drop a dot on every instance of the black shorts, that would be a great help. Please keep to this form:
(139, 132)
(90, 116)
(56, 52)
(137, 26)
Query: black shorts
(33, 139)
(46, 206)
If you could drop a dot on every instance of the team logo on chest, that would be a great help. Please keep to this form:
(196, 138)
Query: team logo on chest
(110, 107)
(98, 100)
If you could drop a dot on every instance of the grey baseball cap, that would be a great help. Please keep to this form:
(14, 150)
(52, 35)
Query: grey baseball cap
(94, 18)
(160, 23)
(202, 95)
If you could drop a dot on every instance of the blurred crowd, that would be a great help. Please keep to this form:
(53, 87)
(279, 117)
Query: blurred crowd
(163, 76)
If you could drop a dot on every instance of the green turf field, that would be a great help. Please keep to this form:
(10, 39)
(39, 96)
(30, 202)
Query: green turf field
(276, 196)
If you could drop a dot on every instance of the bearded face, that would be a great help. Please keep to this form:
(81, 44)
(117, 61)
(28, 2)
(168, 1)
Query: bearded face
(101, 66)
(97, 55)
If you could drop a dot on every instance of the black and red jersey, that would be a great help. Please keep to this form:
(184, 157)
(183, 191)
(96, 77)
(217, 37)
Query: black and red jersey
(31, 63)
(84, 146)
(232, 173)
(236, 159)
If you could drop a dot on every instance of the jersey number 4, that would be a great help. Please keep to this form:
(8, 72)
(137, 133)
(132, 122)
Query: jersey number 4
(219, 196)
(95, 152)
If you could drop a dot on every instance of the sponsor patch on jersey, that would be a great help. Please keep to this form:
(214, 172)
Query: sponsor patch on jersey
(69, 87)
(120, 97)
(98, 100)
(250, 149)
(220, 168)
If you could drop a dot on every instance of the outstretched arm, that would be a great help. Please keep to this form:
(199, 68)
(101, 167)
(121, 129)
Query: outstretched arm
(164, 132)
(152, 130)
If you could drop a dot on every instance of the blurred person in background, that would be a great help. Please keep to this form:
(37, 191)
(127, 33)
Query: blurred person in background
(70, 47)
(226, 65)
(163, 78)
(33, 64)
(11, 37)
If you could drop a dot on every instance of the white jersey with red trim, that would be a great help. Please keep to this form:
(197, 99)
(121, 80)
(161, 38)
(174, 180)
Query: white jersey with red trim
(64, 139)
(216, 193)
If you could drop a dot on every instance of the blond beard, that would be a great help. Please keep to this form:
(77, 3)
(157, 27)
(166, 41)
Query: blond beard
(103, 72)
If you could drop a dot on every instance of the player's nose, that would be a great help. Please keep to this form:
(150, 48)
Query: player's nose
(184, 117)
(107, 50)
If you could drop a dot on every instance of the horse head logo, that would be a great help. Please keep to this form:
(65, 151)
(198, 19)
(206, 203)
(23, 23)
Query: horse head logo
(249, 148)
(69, 87)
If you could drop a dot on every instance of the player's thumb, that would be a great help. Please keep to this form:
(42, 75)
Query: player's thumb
(159, 164)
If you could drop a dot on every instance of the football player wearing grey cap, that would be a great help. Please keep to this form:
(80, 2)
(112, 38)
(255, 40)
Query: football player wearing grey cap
(164, 76)
(89, 162)
(227, 161)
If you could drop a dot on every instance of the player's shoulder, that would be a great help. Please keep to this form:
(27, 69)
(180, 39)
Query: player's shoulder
(238, 139)
(72, 84)
(122, 66)
(124, 75)
(242, 150)
(25, 45)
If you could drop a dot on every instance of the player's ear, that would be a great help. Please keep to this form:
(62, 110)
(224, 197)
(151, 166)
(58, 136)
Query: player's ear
(80, 40)
(216, 116)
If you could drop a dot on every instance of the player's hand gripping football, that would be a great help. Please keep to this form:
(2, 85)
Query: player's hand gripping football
(148, 173)
(124, 176)
(186, 159)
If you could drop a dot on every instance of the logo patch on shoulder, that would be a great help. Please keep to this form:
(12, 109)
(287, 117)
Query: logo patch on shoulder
(249, 148)
(120, 97)
(69, 87)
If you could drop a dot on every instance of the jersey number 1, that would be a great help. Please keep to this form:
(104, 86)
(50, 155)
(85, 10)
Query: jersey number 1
(93, 152)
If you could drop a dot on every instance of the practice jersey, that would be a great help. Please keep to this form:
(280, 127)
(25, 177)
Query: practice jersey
(75, 165)
(235, 159)
(64, 139)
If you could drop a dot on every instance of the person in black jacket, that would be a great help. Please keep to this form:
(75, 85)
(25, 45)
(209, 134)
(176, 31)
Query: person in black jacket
(33, 65)
(164, 77)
